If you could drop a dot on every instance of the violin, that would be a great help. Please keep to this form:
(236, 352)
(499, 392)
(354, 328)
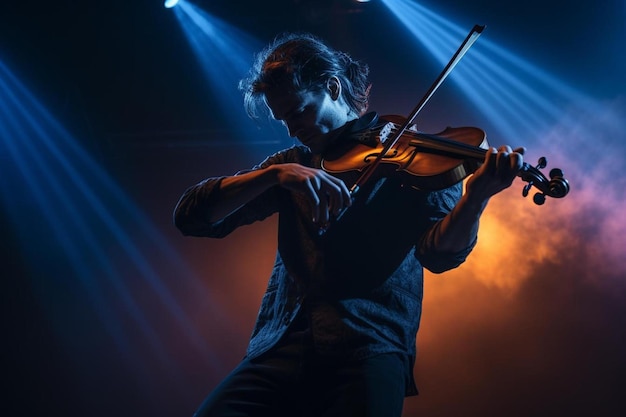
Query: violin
(428, 161)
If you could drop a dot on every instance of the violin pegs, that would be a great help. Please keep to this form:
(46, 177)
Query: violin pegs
(542, 163)
(539, 199)
(556, 173)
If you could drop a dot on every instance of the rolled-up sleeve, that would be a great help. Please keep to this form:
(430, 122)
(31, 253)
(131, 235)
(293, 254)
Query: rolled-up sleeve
(191, 215)
(193, 210)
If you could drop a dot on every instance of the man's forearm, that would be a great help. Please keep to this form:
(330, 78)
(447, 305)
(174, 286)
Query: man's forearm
(459, 228)
(237, 190)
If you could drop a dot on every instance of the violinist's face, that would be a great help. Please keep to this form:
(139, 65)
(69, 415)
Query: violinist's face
(311, 116)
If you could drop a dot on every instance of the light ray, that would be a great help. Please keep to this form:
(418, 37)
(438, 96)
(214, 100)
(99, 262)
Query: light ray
(517, 97)
(526, 105)
(225, 54)
(71, 216)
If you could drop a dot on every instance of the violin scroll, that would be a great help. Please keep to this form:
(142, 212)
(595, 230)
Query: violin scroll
(557, 186)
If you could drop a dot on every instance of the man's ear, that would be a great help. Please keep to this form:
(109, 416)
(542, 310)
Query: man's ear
(334, 87)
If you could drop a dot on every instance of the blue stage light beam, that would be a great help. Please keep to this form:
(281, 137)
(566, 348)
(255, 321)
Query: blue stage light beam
(78, 230)
(517, 97)
(225, 54)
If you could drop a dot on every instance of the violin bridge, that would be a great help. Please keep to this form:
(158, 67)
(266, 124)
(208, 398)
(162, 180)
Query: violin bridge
(385, 132)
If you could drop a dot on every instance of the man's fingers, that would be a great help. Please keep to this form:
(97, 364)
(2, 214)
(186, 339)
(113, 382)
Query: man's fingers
(338, 195)
(312, 194)
(325, 193)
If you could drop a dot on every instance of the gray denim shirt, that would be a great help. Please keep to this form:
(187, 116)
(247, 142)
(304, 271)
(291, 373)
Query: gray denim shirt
(360, 284)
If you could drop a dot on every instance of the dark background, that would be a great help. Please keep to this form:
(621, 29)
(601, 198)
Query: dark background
(532, 325)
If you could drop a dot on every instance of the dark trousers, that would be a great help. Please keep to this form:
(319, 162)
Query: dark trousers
(292, 380)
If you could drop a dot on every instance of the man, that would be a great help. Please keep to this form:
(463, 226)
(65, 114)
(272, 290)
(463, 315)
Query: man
(335, 334)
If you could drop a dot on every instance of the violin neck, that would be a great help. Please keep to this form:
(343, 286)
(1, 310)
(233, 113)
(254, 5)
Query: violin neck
(449, 147)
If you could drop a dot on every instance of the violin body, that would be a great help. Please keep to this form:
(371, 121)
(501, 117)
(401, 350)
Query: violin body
(413, 156)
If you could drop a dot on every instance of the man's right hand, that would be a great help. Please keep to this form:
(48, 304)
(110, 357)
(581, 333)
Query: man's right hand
(326, 194)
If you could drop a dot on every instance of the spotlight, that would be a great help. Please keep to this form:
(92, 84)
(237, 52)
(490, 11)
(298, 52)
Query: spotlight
(170, 3)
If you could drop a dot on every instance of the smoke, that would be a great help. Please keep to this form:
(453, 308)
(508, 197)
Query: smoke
(535, 320)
